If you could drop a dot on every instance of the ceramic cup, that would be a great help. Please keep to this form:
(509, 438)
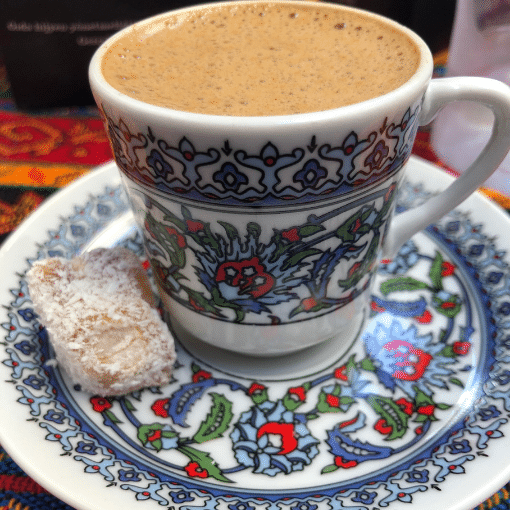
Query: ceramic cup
(264, 233)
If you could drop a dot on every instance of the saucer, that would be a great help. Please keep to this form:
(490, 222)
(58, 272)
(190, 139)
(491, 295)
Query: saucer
(415, 411)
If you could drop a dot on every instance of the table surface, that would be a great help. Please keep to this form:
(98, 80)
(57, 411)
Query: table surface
(43, 152)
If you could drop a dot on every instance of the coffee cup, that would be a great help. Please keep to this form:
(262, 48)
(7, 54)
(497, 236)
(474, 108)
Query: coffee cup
(262, 145)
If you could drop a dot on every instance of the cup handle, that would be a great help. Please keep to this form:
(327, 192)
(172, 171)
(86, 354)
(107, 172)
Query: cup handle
(496, 96)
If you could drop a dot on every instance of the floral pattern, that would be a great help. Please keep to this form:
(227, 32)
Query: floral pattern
(388, 407)
(218, 270)
(232, 176)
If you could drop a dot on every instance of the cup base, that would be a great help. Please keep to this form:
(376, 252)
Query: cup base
(278, 367)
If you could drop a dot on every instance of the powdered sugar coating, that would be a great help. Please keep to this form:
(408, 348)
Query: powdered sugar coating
(99, 311)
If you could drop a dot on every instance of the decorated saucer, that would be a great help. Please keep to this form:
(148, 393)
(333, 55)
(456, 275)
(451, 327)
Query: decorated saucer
(415, 411)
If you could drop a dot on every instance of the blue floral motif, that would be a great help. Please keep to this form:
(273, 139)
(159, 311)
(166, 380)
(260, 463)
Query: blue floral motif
(86, 447)
(25, 347)
(418, 476)
(160, 166)
(230, 177)
(128, 475)
(365, 497)
(494, 277)
(311, 174)
(476, 250)
(488, 413)
(504, 308)
(377, 157)
(305, 505)
(406, 258)
(55, 416)
(241, 506)
(453, 227)
(460, 446)
(34, 382)
(253, 445)
(412, 361)
(28, 314)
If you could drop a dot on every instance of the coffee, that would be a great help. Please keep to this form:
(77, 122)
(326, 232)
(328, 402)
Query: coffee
(260, 59)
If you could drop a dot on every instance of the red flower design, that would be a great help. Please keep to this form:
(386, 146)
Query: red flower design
(424, 318)
(195, 471)
(376, 308)
(248, 275)
(406, 406)
(155, 435)
(195, 305)
(308, 303)
(285, 431)
(256, 388)
(160, 407)
(461, 348)
(333, 400)
(410, 362)
(148, 228)
(447, 268)
(299, 392)
(357, 225)
(340, 373)
(390, 191)
(382, 427)
(194, 226)
(291, 235)
(100, 404)
(354, 268)
(346, 464)
(426, 410)
(200, 375)
(181, 240)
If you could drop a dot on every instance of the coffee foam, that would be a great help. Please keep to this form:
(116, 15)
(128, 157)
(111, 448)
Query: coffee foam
(258, 59)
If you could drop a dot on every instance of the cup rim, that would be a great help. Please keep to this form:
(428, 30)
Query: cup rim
(109, 94)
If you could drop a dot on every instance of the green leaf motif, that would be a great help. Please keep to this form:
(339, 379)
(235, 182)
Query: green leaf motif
(435, 272)
(201, 301)
(447, 308)
(111, 416)
(309, 230)
(402, 284)
(231, 231)
(205, 462)
(332, 402)
(456, 381)
(329, 469)
(254, 229)
(448, 352)
(392, 413)
(217, 421)
(344, 232)
(294, 260)
(368, 365)
(153, 433)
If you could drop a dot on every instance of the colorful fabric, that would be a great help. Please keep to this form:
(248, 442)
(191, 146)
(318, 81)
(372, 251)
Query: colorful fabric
(19, 492)
(40, 154)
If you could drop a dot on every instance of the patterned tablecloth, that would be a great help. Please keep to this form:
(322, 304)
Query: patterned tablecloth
(40, 153)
